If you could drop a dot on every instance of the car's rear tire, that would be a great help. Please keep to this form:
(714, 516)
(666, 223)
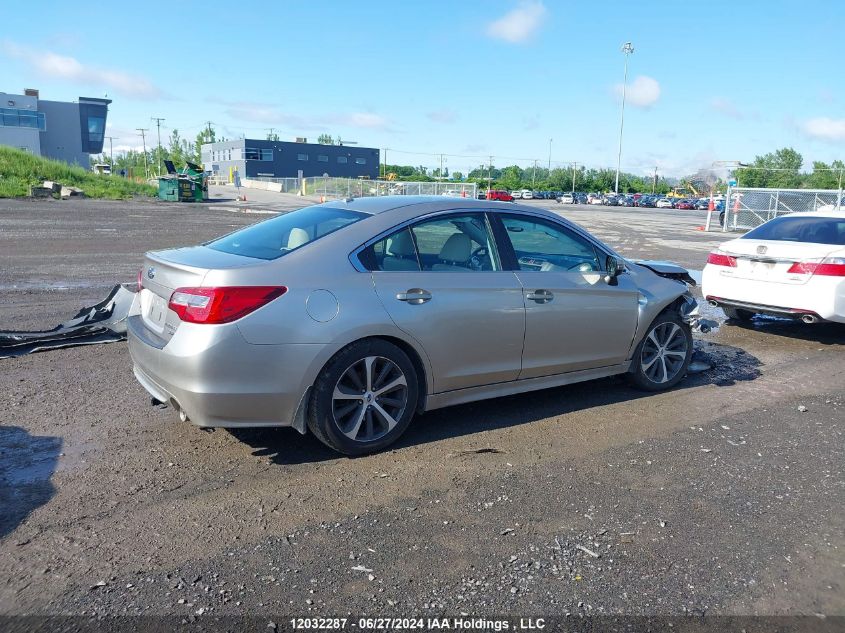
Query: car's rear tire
(737, 314)
(364, 398)
(663, 356)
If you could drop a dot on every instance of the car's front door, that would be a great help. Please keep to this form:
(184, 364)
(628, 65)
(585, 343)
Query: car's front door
(441, 282)
(574, 318)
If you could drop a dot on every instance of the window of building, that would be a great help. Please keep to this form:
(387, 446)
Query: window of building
(302, 157)
(251, 153)
(14, 117)
(360, 161)
(322, 158)
(266, 154)
(96, 129)
(342, 159)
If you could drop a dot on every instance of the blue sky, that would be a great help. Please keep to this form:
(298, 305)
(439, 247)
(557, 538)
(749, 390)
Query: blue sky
(707, 81)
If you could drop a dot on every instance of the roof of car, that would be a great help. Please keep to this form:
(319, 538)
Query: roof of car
(379, 204)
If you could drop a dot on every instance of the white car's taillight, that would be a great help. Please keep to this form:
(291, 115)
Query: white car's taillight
(720, 258)
(829, 267)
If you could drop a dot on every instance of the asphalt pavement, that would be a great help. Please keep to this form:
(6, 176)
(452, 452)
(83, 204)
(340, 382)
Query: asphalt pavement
(724, 496)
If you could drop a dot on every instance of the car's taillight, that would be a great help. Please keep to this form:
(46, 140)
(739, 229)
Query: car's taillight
(140, 279)
(222, 304)
(830, 267)
(718, 258)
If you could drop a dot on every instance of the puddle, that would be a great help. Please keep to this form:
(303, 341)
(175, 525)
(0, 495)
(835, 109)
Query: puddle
(26, 459)
(728, 364)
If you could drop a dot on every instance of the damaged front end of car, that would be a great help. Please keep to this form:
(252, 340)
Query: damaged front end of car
(686, 304)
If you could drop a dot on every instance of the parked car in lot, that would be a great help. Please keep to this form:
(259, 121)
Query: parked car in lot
(451, 193)
(350, 317)
(685, 204)
(610, 200)
(664, 203)
(626, 201)
(595, 199)
(498, 194)
(792, 266)
(702, 204)
(526, 194)
(566, 198)
(580, 198)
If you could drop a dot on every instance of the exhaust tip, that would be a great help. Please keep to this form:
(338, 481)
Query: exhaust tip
(808, 318)
(713, 303)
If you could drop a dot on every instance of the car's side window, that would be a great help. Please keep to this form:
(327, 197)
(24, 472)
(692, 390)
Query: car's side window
(455, 243)
(396, 252)
(542, 245)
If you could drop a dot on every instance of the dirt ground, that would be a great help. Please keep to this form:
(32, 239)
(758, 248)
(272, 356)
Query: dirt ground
(723, 496)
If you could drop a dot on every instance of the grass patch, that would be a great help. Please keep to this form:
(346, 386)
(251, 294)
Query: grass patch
(20, 170)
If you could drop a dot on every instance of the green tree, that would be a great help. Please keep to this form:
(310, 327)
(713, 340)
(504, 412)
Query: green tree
(205, 136)
(775, 169)
(325, 139)
(826, 176)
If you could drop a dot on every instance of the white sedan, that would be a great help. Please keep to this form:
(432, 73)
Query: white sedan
(792, 266)
(664, 203)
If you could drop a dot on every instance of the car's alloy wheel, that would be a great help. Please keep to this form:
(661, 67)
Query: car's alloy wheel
(663, 356)
(369, 399)
(664, 352)
(364, 398)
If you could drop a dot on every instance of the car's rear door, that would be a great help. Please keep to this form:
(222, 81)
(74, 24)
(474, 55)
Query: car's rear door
(441, 282)
(574, 318)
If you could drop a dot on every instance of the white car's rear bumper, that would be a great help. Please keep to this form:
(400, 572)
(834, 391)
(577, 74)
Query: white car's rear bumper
(822, 297)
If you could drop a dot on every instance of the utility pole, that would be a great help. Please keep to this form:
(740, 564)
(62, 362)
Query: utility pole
(490, 174)
(627, 48)
(574, 167)
(654, 182)
(550, 156)
(440, 173)
(158, 121)
(111, 151)
(144, 142)
(534, 175)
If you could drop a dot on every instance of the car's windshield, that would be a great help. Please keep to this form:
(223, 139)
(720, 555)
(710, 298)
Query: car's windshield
(794, 228)
(273, 238)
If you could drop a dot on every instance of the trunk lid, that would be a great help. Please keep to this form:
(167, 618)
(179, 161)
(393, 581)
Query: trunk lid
(770, 260)
(164, 271)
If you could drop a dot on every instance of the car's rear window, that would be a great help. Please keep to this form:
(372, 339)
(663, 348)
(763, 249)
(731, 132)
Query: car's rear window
(273, 238)
(794, 228)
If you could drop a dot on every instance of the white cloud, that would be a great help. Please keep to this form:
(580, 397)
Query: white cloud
(264, 113)
(726, 107)
(643, 92)
(824, 128)
(51, 64)
(443, 116)
(520, 24)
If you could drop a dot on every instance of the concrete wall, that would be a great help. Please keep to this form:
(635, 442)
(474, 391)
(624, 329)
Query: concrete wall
(63, 138)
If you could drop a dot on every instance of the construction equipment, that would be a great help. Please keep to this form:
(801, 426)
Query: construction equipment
(189, 185)
(690, 189)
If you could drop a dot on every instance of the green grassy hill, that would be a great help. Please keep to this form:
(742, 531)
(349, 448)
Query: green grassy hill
(19, 170)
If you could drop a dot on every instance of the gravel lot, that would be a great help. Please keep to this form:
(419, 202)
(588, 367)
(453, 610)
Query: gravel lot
(724, 496)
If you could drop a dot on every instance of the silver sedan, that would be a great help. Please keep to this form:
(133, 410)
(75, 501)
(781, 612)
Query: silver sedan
(348, 318)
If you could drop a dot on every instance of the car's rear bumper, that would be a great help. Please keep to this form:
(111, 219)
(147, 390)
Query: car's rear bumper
(821, 298)
(218, 379)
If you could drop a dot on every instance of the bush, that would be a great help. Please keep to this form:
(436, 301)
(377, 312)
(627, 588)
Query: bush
(20, 170)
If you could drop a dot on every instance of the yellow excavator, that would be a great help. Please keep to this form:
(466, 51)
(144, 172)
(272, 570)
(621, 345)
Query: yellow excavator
(690, 189)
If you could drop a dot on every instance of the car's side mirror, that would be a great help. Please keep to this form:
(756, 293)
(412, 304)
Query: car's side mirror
(614, 268)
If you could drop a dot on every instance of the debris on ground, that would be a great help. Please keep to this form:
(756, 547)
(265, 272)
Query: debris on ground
(802, 408)
(104, 322)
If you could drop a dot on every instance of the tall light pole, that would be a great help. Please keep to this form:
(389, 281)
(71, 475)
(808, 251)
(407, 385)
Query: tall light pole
(158, 121)
(627, 48)
(550, 155)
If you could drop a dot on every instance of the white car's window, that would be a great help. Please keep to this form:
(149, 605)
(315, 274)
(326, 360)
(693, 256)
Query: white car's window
(794, 228)
(548, 247)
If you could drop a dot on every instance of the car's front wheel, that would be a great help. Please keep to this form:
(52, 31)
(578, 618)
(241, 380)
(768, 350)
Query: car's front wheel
(664, 354)
(364, 398)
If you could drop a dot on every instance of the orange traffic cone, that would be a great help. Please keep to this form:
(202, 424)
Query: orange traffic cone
(711, 206)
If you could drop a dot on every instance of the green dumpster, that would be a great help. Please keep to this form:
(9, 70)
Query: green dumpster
(189, 185)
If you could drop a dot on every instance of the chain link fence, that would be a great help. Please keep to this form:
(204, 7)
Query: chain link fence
(349, 187)
(746, 208)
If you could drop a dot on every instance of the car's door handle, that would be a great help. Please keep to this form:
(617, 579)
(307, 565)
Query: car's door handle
(540, 296)
(414, 296)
